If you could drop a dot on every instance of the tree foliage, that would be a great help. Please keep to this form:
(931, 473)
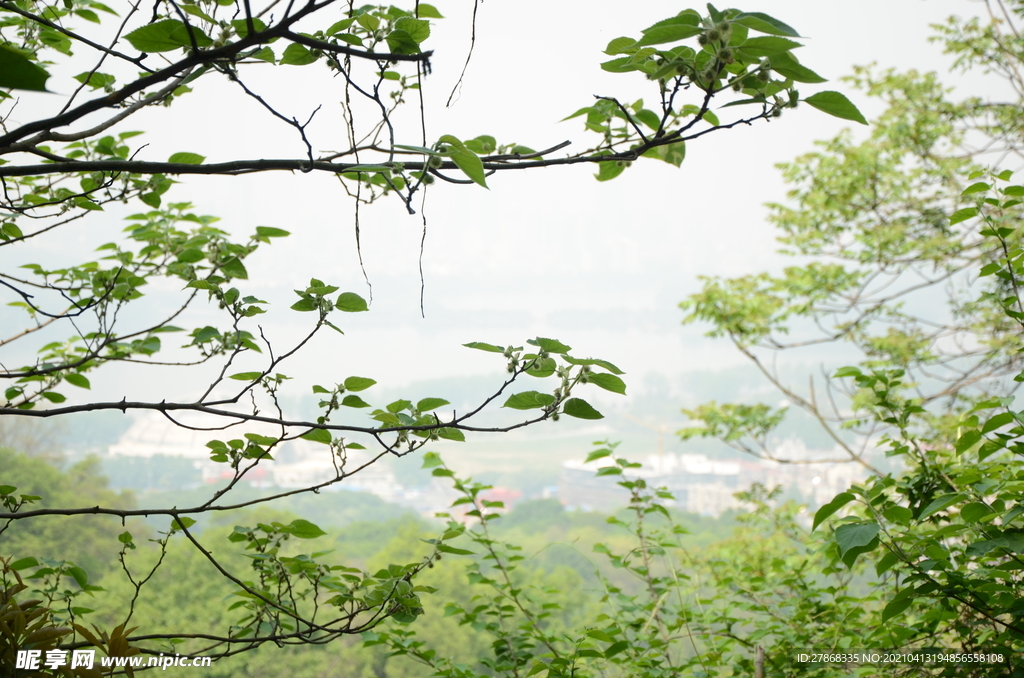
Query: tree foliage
(910, 243)
(81, 160)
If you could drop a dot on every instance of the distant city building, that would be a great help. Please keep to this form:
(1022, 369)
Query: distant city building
(296, 463)
(705, 486)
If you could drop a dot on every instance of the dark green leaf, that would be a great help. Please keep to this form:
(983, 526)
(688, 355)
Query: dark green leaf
(23, 563)
(787, 65)
(303, 529)
(853, 535)
(354, 401)
(428, 404)
(608, 382)
(837, 105)
(765, 24)
(581, 409)
(465, 159)
(940, 503)
(297, 55)
(18, 71)
(318, 435)
(449, 433)
(896, 607)
(79, 380)
(830, 508)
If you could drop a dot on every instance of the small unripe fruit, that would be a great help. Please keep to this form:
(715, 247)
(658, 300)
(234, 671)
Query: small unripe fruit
(434, 161)
(713, 35)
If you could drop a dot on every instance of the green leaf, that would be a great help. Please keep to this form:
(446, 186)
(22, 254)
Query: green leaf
(303, 529)
(608, 382)
(305, 305)
(426, 11)
(318, 435)
(187, 158)
(977, 187)
(599, 454)
(840, 500)
(79, 380)
(975, 511)
(673, 154)
(581, 409)
(899, 514)
(358, 383)
(246, 376)
(766, 46)
(350, 302)
(451, 549)
(271, 232)
(593, 361)
(449, 433)
(886, 562)
(354, 401)
(940, 503)
(23, 563)
(465, 159)
(80, 576)
(53, 396)
(855, 535)
(233, 268)
(417, 29)
(297, 55)
(432, 459)
(660, 34)
(550, 345)
(787, 65)
(837, 105)
(896, 607)
(18, 71)
(529, 400)
(968, 440)
(164, 36)
(765, 24)
(481, 346)
(998, 421)
(616, 648)
(962, 215)
(182, 523)
(619, 46)
(428, 404)
(125, 537)
(609, 169)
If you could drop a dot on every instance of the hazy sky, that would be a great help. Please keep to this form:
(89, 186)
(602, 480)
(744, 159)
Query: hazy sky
(549, 252)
